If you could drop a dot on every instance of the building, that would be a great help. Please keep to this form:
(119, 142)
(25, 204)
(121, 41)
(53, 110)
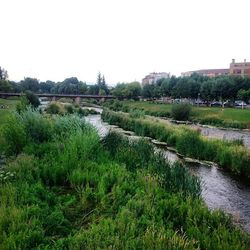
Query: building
(238, 69)
(153, 77)
(207, 72)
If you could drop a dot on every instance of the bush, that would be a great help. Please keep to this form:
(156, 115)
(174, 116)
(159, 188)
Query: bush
(54, 108)
(14, 136)
(38, 128)
(32, 99)
(136, 113)
(181, 112)
(69, 108)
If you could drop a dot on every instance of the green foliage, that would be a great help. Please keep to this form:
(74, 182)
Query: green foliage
(244, 95)
(38, 129)
(83, 192)
(136, 113)
(69, 108)
(187, 142)
(14, 136)
(22, 105)
(54, 108)
(32, 99)
(181, 112)
(129, 91)
(5, 86)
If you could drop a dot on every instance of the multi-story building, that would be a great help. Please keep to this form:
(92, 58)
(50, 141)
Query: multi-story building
(240, 69)
(207, 72)
(153, 77)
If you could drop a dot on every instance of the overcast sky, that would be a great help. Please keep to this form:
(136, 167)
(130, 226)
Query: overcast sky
(123, 39)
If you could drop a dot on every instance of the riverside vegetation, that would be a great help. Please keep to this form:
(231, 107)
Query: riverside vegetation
(63, 187)
(232, 156)
(227, 118)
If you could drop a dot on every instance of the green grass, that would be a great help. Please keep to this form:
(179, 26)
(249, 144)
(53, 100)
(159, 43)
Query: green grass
(229, 155)
(227, 117)
(4, 113)
(68, 189)
(227, 114)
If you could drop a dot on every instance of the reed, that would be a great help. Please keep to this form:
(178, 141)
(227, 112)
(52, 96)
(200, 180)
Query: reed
(230, 155)
(83, 192)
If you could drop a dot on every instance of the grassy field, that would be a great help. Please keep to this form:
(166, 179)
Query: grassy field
(4, 112)
(228, 115)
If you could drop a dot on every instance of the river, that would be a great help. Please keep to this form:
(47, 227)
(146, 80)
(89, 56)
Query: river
(219, 189)
(217, 133)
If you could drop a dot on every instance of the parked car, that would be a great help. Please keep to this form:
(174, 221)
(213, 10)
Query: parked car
(216, 104)
(240, 104)
(228, 104)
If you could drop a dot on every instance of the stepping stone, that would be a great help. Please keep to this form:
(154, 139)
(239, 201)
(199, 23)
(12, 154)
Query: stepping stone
(158, 143)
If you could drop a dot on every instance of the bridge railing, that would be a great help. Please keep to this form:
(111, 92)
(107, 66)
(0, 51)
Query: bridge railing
(61, 95)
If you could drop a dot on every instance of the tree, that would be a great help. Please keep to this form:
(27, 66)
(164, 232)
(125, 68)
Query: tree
(46, 87)
(99, 79)
(206, 90)
(5, 86)
(101, 83)
(32, 99)
(120, 91)
(244, 95)
(3, 74)
(93, 90)
(148, 91)
(31, 84)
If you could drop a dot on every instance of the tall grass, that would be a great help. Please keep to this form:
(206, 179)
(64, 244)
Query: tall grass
(229, 155)
(80, 192)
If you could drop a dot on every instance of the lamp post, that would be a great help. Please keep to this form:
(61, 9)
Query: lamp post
(198, 101)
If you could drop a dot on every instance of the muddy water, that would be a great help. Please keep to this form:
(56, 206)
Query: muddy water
(219, 190)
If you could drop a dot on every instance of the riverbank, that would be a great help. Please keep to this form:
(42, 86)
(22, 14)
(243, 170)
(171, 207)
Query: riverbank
(229, 155)
(226, 118)
(219, 189)
(65, 188)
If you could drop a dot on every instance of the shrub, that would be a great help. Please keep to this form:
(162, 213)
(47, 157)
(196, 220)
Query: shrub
(54, 108)
(32, 99)
(181, 112)
(38, 128)
(69, 108)
(14, 136)
(136, 113)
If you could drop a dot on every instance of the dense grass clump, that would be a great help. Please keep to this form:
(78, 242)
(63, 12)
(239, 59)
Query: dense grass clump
(54, 108)
(181, 112)
(229, 155)
(72, 190)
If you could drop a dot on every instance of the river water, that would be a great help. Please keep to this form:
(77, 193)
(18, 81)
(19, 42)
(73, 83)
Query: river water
(218, 133)
(224, 134)
(219, 189)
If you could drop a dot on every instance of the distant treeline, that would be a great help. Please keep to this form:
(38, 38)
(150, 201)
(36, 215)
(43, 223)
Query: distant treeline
(207, 88)
(69, 86)
(195, 86)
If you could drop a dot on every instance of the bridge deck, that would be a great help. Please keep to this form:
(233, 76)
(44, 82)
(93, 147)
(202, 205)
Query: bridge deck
(61, 95)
